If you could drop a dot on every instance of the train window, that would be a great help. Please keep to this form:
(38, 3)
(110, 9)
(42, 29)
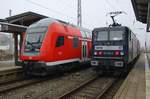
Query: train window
(83, 34)
(102, 35)
(88, 35)
(35, 37)
(60, 41)
(75, 42)
(116, 35)
(129, 35)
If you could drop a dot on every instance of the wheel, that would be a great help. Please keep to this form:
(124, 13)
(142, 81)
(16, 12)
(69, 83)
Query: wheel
(100, 73)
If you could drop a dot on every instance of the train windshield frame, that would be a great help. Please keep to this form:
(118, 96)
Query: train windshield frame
(112, 35)
(36, 34)
(34, 38)
(37, 31)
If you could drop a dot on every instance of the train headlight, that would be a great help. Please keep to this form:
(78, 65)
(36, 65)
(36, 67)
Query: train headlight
(117, 53)
(100, 53)
(121, 53)
(95, 53)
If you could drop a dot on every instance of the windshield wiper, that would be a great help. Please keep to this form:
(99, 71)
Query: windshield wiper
(34, 44)
(31, 45)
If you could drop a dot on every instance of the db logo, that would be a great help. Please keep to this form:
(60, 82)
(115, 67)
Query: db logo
(59, 53)
(30, 57)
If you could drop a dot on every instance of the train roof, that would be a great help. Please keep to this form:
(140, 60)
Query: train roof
(80, 28)
(29, 18)
(47, 21)
(112, 28)
(85, 33)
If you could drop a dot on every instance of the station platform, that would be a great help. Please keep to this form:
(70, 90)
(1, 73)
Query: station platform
(137, 83)
(8, 65)
(10, 72)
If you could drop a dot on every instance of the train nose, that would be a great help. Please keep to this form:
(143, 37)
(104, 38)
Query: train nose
(35, 68)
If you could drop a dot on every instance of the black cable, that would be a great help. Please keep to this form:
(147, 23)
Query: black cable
(42, 6)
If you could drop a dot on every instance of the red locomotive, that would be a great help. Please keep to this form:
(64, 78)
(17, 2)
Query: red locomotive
(50, 44)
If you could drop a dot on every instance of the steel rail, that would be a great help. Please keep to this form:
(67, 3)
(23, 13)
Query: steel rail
(106, 86)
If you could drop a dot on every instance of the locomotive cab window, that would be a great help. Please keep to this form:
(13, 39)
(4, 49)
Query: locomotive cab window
(130, 35)
(75, 42)
(116, 35)
(60, 41)
(102, 36)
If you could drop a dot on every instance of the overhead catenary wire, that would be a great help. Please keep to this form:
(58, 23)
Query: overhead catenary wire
(52, 10)
(68, 6)
(117, 8)
(110, 5)
(65, 6)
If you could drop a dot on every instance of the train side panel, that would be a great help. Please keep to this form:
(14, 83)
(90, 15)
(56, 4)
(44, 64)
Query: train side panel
(133, 44)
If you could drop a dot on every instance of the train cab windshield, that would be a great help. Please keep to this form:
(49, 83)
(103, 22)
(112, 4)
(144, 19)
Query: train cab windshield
(109, 42)
(34, 39)
(114, 35)
(35, 35)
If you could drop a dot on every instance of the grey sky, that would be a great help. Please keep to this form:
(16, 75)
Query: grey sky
(93, 11)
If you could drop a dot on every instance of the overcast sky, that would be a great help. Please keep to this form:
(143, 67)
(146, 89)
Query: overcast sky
(93, 12)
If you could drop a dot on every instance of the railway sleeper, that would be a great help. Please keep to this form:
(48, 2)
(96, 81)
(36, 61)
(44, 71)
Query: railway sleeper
(92, 88)
(89, 91)
(10, 76)
(86, 96)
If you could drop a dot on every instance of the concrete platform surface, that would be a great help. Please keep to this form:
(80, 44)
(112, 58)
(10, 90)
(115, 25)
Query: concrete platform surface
(9, 68)
(134, 86)
(8, 65)
(147, 75)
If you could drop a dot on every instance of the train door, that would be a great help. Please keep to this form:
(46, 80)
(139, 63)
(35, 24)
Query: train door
(84, 51)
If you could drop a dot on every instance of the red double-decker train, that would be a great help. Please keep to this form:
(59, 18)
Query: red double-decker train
(51, 44)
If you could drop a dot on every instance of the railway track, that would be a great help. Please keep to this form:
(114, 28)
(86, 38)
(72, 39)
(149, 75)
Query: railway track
(19, 83)
(10, 74)
(94, 88)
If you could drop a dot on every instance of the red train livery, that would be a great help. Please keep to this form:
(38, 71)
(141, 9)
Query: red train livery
(50, 44)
